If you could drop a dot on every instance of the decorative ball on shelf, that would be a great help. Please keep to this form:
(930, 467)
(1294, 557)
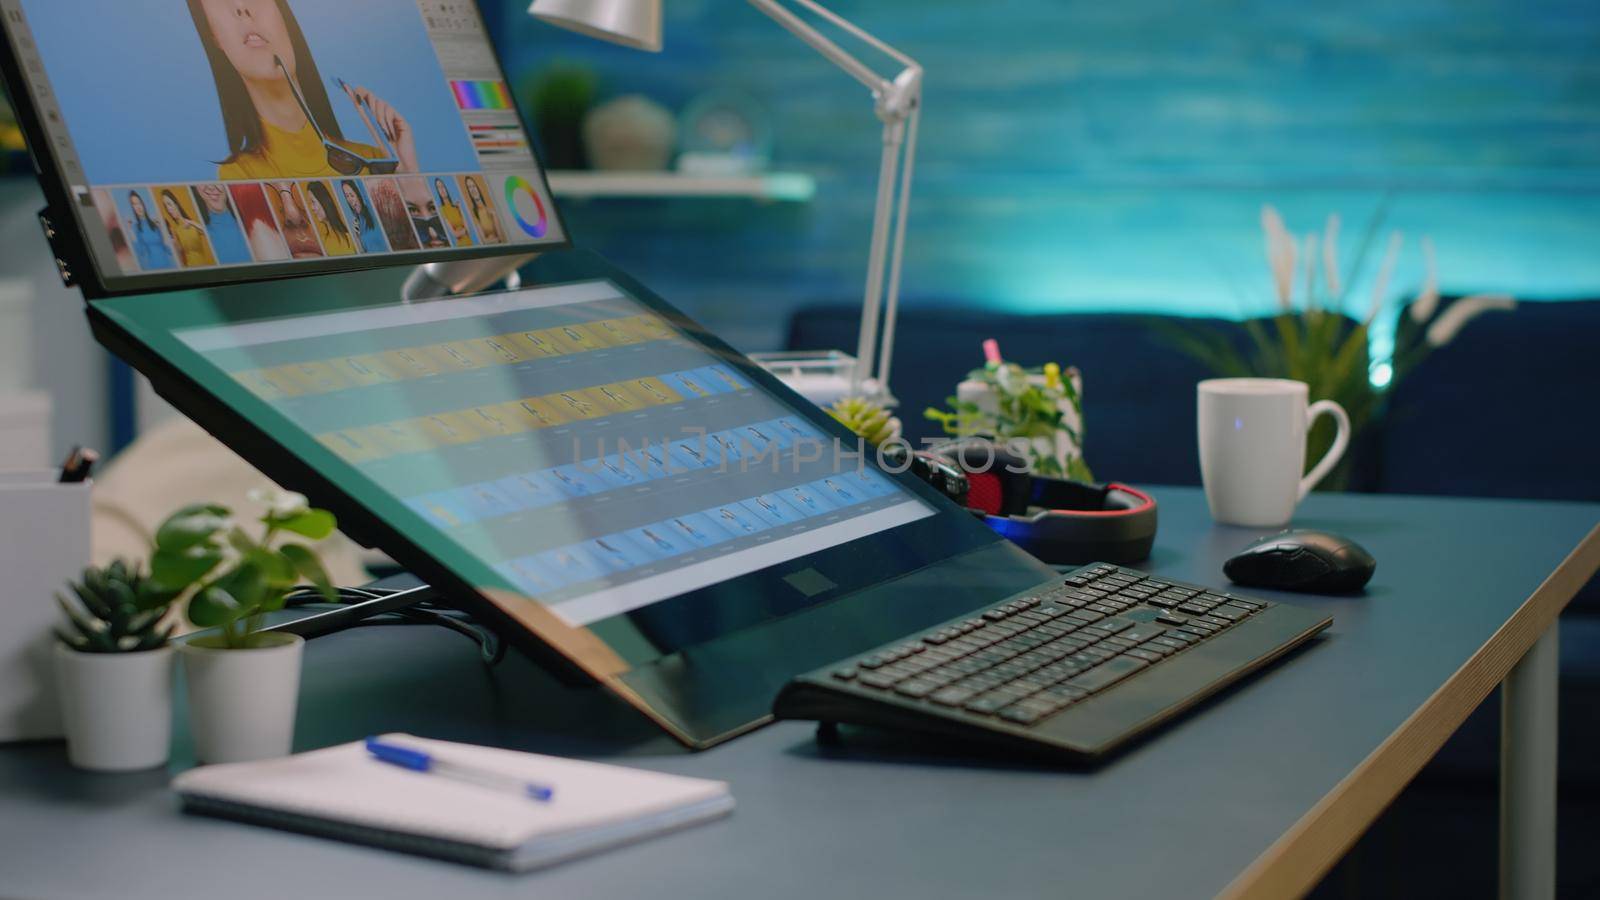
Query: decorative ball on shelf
(630, 133)
(724, 133)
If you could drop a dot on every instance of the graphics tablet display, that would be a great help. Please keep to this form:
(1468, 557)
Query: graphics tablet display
(581, 468)
(204, 141)
(569, 443)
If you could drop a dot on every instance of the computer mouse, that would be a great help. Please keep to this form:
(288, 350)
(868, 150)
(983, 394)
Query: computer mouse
(1313, 561)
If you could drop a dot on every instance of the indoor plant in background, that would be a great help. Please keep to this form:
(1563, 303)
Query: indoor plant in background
(1311, 338)
(1039, 411)
(243, 683)
(114, 668)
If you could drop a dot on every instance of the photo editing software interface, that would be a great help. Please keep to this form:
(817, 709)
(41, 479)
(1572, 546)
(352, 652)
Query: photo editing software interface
(566, 439)
(219, 134)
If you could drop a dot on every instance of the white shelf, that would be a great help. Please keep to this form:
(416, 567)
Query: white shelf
(789, 187)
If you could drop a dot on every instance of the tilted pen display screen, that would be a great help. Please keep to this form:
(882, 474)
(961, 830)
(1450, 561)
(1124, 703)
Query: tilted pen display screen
(567, 438)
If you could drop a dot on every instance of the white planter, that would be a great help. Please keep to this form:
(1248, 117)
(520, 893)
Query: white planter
(242, 702)
(116, 707)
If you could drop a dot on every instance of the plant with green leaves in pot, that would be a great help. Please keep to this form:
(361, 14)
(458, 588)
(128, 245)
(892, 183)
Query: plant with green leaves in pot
(114, 669)
(243, 681)
(871, 421)
(1312, 338)
(1038, 411)
(559, 97)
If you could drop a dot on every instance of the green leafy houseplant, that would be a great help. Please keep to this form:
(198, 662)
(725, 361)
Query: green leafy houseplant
(871, 421)
(232, 580)
(1311, 339)
(1028, 410)
(559, 96)
(119, 610)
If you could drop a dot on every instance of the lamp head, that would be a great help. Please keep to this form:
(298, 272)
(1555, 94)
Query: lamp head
(631, 23)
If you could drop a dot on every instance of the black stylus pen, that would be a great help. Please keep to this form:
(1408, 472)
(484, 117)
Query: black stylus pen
(78, 465)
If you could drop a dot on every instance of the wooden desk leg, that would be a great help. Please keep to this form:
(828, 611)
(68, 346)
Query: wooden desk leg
(1528, 773)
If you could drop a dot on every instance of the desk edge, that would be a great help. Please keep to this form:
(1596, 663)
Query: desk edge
(1292, 865)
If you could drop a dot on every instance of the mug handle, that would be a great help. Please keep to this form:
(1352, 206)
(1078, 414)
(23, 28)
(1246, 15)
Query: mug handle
(1341, 440)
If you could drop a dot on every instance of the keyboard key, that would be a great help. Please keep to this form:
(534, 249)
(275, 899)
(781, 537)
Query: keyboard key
(994, 615)
(1170, 619)
(1021, 715)
(1137, 653)
(936, 638)
(1083, 617)
(1118, 641)
(986, 705)
(952, 696)
(1214, 620)
(1092, 633)
(1200, 629)
(916, 688)
(1193, 608)
(1115, 625)
(1141, 633)
(1251, 605)
(845, 673)
(872, 662)
(876, 680)
(1167, 640)
(1103, 609)
(1097, 653)
(1101, 677)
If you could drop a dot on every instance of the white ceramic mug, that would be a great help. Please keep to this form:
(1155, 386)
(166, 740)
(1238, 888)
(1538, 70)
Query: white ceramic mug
(1253, 447)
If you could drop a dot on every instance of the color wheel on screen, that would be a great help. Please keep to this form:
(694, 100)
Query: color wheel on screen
(526, 207)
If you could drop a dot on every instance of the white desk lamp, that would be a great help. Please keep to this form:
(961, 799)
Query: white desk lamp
(897, 101)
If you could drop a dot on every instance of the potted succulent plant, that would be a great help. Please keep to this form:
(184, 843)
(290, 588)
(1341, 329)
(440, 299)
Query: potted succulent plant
(243, 682)
(114, 668)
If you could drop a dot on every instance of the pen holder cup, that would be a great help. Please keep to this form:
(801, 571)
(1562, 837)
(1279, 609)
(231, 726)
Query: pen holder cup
(46, 544)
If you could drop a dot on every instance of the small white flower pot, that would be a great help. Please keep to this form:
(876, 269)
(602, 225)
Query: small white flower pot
(242, 702)
(116, 708)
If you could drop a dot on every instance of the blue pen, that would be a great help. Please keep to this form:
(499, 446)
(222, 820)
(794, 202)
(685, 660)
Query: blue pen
(423, 761)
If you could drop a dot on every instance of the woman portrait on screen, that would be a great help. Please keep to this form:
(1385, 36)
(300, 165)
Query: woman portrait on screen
(362, 222)
(454, 218)
(148, 244)
(275, 106)
(298, 230)
(483, 215)
(330, 227)
(222, 225)
(188, 238)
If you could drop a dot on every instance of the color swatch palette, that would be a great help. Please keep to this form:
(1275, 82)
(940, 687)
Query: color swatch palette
(482, 94)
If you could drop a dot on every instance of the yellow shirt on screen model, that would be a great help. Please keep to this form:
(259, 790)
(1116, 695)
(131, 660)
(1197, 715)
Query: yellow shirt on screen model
(488, 228)
(334, 242)
(288, 154)
(193, 251)
(458, 224)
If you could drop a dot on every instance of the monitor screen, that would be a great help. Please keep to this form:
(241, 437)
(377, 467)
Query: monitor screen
(565, 443)
(221, 140)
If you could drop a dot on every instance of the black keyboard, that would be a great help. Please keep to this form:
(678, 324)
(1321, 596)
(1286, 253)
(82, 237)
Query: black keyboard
(1072, 668)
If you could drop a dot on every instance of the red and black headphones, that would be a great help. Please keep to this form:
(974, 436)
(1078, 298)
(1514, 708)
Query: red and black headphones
(1061, 522)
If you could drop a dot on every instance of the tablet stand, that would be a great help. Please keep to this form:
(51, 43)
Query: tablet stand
(434, 280)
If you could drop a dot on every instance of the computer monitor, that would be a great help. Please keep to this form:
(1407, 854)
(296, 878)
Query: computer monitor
(214, 141)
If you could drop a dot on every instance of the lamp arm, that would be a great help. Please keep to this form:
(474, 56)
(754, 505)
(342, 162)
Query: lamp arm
(897, 253)
(898, 102)
(840, 57)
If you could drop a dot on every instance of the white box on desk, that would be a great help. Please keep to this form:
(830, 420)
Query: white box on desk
(44, 543)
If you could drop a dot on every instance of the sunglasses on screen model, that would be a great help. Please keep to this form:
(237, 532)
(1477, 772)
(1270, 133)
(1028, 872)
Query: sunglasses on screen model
(340, 159)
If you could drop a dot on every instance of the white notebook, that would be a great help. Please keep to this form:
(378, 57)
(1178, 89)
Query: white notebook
(342, 792)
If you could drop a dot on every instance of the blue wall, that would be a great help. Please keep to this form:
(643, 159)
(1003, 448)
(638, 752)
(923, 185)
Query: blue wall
(1114, 155)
